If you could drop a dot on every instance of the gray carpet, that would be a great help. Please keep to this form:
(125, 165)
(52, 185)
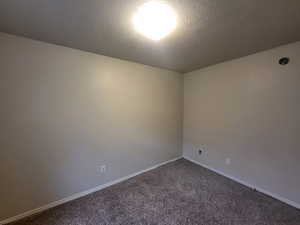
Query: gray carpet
(179, 193)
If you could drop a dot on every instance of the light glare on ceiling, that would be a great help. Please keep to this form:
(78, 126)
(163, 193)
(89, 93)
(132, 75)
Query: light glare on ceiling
(155, 20)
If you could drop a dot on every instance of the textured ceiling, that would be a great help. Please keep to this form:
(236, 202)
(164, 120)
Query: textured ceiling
(209, 31)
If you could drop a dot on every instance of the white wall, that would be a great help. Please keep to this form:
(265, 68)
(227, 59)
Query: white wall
(65, 112)
(248, 110)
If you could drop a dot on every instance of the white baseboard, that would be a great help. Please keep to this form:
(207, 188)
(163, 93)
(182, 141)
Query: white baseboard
(79, 195)
(276, 196)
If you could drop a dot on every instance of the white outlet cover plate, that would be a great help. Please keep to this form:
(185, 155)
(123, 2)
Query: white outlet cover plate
(228, 161)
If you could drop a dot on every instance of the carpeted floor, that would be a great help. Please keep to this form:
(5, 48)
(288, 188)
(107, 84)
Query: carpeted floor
(179, 193)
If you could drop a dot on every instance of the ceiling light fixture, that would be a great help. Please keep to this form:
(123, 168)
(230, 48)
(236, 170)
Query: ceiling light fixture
(155, 20)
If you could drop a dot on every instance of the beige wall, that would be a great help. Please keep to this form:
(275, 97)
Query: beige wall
(65, 112)
(248, 110)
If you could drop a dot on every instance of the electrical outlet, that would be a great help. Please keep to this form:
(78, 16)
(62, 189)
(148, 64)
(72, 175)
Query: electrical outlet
(228, 161)
(200, 151)
(102, 169)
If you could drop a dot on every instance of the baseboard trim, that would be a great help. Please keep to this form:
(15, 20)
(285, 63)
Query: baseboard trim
(276, 196)
(80, 194)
